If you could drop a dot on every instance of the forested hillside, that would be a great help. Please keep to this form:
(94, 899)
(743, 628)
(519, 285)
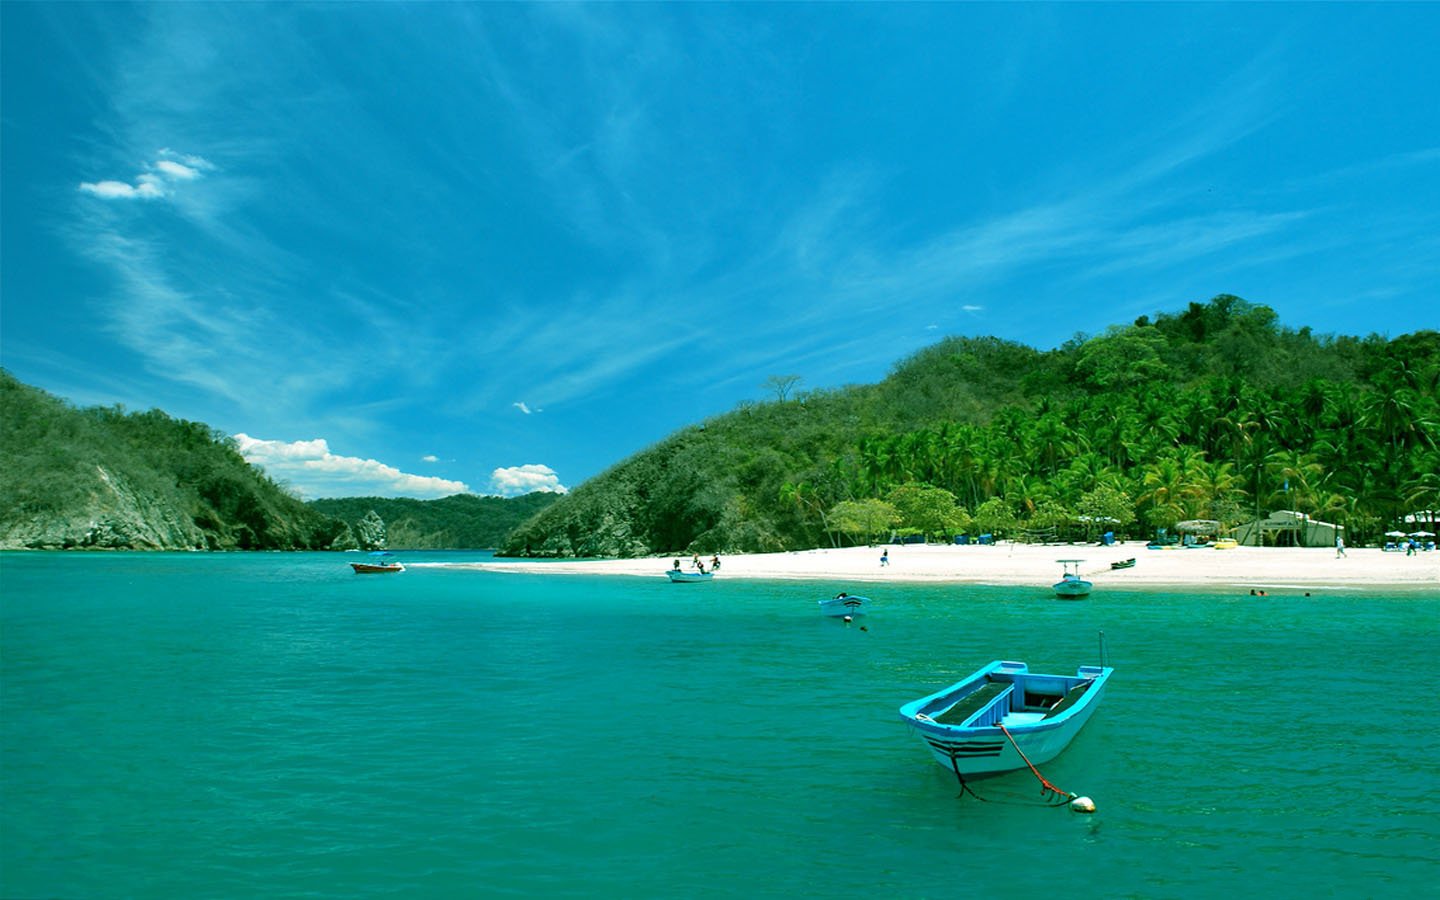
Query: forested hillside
(1218, 412)
(105, 478)
(464, 521)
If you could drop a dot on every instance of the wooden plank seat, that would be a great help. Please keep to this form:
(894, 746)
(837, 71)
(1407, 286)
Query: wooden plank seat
(970, 704)
(1069, 699)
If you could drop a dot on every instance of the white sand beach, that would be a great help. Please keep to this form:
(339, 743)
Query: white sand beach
(1264, 568)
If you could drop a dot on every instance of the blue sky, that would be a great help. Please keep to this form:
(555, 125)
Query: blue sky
(411, 250)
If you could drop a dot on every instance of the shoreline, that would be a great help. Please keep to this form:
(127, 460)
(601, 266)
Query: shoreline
(1038, 566)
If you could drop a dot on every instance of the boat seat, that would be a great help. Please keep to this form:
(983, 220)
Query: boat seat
(970, 704)
(1069, 699)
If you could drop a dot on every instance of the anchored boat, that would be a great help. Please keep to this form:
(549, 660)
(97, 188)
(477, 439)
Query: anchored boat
(845, 604)
(1071, 586)
(1005, 717)
(678, 575)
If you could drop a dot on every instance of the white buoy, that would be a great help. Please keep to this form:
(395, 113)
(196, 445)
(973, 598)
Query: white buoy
(1082, 805)
(848, 620)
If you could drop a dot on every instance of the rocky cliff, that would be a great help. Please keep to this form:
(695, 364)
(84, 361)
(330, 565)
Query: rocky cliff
(112, 517)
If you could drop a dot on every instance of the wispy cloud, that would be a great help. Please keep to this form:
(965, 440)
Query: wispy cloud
(313, 471)
(512, 481)
(520, 405)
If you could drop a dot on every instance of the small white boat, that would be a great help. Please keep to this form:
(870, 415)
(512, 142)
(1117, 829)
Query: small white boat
(1071, 586)
(845, 605)
(680, 576)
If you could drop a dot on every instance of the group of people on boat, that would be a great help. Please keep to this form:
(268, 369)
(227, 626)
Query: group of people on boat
(700, 565)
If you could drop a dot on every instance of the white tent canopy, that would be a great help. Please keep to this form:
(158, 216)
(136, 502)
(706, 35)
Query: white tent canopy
(1286, 527)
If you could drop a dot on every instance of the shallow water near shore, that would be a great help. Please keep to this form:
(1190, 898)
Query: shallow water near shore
(229, 725)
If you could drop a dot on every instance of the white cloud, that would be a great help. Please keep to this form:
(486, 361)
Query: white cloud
(176, 170)
(520, 405)
(155, 181)
(311, 469)
(118, 189)
(430, 458)
(516, 480)
(970, 307)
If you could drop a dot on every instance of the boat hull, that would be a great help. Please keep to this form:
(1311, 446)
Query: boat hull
(1073, 589)
(977, 746)
(845, 606)
(376, 569)
(680, 577)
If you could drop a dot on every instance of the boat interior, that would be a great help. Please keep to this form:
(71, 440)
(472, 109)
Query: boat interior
(1010, 698)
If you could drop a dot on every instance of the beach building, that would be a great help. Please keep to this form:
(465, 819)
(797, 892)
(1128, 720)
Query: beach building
(1287, 528)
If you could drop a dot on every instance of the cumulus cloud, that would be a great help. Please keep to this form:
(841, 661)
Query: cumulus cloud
(430, 458)
(516, 480)
(156, 181)
(312, 470)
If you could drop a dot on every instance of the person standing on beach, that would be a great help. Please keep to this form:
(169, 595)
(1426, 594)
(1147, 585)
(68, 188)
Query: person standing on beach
(1339, 546)
(885, 557)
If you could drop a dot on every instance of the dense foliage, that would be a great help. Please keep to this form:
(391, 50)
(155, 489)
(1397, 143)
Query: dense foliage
(104, 477)
(464, 521)
(1217, 412)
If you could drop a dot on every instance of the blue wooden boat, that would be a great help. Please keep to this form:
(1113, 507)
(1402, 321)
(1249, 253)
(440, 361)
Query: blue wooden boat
(679, 576)
(845, 605)
(1005, 717)
(1071, 586)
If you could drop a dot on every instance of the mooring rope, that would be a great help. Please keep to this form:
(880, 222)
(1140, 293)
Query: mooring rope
(964, 788)
(1044, 783)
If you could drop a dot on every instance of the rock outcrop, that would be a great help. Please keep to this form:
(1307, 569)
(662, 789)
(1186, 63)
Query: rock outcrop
(115, 517)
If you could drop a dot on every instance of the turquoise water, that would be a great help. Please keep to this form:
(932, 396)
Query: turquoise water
(245, 725)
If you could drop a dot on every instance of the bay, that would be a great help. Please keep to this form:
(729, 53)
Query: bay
(232, 725)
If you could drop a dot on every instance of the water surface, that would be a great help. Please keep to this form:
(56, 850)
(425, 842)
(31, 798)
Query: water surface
(227, 725)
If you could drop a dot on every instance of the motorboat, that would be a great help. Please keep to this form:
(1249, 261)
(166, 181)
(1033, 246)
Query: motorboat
(381, 564)
(1071, 586)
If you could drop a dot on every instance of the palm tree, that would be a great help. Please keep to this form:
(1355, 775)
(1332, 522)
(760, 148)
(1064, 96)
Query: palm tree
(1298, 473)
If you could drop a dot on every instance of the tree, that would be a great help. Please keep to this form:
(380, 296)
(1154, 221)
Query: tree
(994, 516)
(1107, 505)
(864, 520)
(1123, 357)
(929, 510)
(781, 385)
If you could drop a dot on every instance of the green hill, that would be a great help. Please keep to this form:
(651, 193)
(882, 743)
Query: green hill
(1217, 412)
(464, 521)
(104, 478)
